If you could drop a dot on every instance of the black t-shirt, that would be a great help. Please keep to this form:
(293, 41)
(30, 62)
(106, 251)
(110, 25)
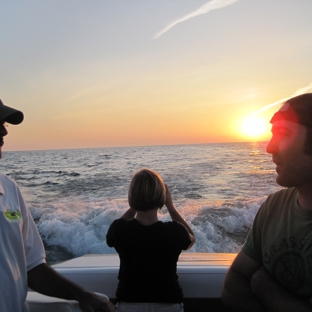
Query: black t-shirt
(148, 259)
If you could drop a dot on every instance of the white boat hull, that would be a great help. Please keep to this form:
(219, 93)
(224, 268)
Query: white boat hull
(201, 275)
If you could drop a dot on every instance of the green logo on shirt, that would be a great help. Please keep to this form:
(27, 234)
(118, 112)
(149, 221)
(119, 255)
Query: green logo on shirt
(13, 215)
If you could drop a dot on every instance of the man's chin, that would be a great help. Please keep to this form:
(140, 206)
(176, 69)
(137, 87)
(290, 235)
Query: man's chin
(282, 181)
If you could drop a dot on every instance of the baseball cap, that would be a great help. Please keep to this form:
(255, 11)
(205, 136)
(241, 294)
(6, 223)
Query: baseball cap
(297, 109)
(10, 115)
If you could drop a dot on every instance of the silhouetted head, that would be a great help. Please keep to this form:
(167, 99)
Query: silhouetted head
(299, 110)
(147, 190)
(10, 115)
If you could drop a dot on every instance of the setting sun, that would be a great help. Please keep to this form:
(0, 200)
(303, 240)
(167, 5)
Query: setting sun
(254, 127)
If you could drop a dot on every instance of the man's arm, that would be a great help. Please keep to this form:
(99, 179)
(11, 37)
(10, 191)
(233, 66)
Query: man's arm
(175, 216)
(236, 291)
(249, 287)
(47, 281)
(274, 297)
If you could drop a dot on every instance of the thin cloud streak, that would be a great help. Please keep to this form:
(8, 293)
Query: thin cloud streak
(80, 93)
(209, 6)
(298, 92)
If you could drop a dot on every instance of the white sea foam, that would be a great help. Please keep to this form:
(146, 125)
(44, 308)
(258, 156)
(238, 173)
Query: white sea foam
(80, 227)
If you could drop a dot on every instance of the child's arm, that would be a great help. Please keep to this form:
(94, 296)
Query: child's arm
(129, 214)
(175, 216)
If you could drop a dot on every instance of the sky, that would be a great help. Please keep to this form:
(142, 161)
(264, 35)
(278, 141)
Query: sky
(100, 73)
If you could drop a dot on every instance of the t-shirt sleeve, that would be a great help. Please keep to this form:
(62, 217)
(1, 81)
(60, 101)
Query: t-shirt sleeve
(184, 236)
(112, 233)
(34, 249)
(252, 246)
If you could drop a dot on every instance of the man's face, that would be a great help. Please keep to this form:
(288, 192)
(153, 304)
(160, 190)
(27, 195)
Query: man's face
(293, 166)
(3, 132)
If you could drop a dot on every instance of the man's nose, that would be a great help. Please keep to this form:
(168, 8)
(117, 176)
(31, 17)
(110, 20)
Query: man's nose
(3, 129)
(272, 147)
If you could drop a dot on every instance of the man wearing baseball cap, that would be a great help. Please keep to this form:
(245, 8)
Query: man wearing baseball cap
(273, 271)
(22, 255)
(9, 115)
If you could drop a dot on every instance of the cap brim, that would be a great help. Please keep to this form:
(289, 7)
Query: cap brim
(10, 115)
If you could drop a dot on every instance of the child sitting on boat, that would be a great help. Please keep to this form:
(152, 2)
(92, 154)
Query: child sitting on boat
(149, 248)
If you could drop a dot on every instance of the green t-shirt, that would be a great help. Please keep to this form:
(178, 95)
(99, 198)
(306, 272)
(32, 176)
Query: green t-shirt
(281, 239)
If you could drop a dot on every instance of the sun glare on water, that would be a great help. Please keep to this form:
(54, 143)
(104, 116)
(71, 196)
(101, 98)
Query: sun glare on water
(254, 127)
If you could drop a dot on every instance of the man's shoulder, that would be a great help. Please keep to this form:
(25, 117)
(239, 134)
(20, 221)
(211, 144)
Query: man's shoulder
(4, 179)
(283, 197)
(285, 192)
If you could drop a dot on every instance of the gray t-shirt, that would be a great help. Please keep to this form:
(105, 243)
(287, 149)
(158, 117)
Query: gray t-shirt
(281, 240)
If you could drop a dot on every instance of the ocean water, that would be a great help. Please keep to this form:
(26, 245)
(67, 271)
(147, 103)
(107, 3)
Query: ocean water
(74, 195)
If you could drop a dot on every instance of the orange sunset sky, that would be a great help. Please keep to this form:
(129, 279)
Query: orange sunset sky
(124, 73)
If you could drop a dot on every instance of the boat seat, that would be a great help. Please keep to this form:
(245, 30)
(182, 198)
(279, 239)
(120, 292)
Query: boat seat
(41, 303)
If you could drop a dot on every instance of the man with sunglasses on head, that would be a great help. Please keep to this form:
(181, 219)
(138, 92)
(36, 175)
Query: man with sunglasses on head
(273, 271)
(22, 255)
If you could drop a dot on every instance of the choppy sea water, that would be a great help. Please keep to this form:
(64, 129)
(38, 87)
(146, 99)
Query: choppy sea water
(74, 195)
